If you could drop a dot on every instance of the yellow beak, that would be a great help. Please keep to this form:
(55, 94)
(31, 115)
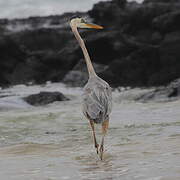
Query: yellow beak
(94, 26)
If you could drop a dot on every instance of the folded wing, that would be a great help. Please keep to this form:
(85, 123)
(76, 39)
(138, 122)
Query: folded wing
(97, 101)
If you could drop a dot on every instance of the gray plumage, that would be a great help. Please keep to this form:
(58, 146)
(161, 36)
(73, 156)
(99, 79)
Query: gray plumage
(97, 100)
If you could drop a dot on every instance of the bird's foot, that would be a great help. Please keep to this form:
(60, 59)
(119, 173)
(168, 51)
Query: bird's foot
(97, 146)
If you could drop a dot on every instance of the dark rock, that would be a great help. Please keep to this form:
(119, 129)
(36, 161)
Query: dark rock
(11, 54)
(169, 58)
(44, 98)
(43, 39)
(139, 45)
(108, 12)
(161, 1)
(52, 66)
(156, 38)
(152, 57)
(169, 92)
(134, 70)
(78, 76)
(37, 49)
(167, 22)
(101, 47)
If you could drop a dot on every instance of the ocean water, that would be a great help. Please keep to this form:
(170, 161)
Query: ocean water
(25, 8)
(54, 142)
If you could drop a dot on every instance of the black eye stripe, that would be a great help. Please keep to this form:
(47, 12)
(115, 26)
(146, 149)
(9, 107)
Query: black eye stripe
(73, 17)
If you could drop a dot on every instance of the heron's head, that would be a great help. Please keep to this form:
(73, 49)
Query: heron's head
(81, 23)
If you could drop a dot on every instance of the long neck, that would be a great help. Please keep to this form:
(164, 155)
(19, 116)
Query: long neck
(85, 52)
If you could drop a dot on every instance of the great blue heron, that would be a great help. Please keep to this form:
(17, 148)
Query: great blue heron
(97, 96)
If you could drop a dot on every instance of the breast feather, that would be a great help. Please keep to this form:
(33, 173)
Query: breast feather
(97, 101)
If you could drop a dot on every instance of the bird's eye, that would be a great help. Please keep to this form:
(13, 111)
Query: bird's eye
(82, 21)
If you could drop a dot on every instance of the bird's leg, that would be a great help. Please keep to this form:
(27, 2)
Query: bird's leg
(105, 126)
(94, 135)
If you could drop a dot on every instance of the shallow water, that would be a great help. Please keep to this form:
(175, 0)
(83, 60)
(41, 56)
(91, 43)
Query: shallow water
(54, 142)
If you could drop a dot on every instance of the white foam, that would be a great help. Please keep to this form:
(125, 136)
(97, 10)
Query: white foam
(13, 96)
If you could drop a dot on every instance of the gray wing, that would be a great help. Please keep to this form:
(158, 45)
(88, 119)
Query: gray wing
(97, 100)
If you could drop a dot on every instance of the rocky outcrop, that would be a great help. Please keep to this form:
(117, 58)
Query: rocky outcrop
(146, 43)
(139, 45)
(11, 55)
(78, 76)
(36, 49)
(167, 93)
(44, 98)
(161, 1)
